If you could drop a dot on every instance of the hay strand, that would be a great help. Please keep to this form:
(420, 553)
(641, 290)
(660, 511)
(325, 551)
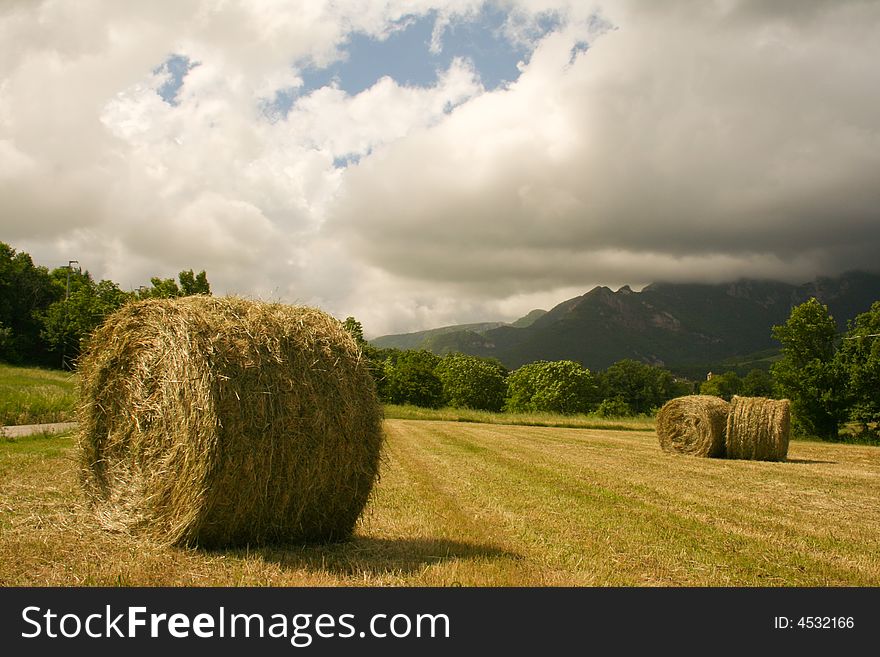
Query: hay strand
(758, 429)
(223, 421)
(693, 425)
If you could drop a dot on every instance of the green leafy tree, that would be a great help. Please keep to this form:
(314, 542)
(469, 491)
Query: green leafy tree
(355, 330)
(471, 382)
(643, 387)
(808, 373)
(191, 283)
(381, 363)
(168, 288)
(859, 358)
(722, 385)
(758, 383)
(5, 338)
(615, 407)
(561, 386)
(26, 291)
(69, 322)
(521, 387)
(411, 380)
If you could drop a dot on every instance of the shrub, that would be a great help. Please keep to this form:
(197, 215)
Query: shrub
(411, 380)
(614, 407)
(471, 382)
(561, 386)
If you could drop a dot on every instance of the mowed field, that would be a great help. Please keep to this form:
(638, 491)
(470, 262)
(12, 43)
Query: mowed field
(493, 505)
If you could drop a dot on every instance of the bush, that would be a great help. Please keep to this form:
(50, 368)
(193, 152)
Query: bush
(615, 407)
(411, 380)
(471, 382)
(561, 386)
(758, 383)
(723, 385)
(643, 387)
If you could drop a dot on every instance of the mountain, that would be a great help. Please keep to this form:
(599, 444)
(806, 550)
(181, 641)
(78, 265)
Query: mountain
(529, 319)
(670, 324)
(421, 339)
(436, 339)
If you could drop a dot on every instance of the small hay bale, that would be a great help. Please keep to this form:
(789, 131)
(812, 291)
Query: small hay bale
(758, 429)
(222, 421)
(693, 425)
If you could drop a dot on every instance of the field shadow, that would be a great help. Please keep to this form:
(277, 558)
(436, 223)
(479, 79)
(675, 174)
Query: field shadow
(809, 461)
(377, 556)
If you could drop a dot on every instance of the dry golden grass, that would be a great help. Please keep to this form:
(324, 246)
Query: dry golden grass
(494, 505)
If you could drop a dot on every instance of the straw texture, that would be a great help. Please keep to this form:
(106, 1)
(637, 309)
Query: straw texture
(224, 421)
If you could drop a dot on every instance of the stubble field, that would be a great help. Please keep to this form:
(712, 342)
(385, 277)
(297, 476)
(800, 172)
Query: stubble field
(493, 505)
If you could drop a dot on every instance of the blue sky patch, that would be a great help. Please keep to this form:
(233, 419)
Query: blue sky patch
(406, 56)
(175, 68)
(342, 161)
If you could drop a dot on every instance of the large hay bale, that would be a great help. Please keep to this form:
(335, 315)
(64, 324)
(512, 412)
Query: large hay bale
(758, 429)
(224, 421)
(693, 425)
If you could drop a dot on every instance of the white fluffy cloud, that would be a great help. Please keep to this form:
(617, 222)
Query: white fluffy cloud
(692, 140)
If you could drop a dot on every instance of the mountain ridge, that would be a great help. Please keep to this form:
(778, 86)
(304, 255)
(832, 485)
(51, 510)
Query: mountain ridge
(669, 324)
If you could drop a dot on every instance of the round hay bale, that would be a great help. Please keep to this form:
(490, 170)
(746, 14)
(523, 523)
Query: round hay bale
(693, 425)
(758, 429)
(222, 421)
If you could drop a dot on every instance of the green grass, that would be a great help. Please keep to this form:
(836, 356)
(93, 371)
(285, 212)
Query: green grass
(30, 395)
(407, 412)
(497, 505)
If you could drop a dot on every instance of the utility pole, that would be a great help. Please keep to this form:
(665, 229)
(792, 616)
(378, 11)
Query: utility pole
(70, 264)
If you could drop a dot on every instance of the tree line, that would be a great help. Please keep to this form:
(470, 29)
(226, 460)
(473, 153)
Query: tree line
(422, 378)
(830, 379)
(46, 314)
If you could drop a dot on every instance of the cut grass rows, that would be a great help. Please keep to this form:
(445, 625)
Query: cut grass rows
(493, 505)
(747, 539)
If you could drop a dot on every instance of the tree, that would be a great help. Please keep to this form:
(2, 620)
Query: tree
(758, 383)
(561, 386)
(521, 387)
(472, 382)
(722, 385)
(381, 363)
(25, 292)
(191, 284)
(5, 338)
(859, 358)
(167, 288)
(808, 373)
(69, 322)
(355, 330)
(643, 387)
(411, 380)
(615, 407)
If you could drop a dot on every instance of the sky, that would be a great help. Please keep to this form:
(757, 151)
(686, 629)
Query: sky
(421, 163)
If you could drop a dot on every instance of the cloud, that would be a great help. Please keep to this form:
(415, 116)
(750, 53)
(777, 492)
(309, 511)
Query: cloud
(690, 142)
(642, 140)
(95, 164)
